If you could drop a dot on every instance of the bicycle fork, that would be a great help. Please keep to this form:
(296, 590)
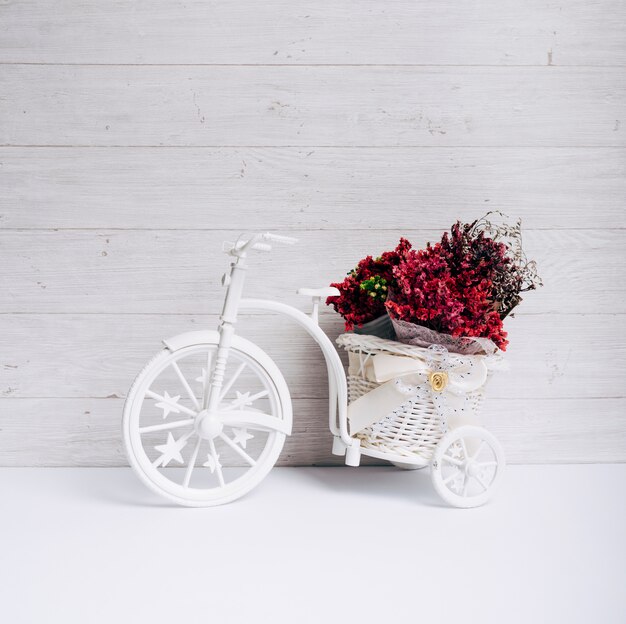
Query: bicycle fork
(234, 281)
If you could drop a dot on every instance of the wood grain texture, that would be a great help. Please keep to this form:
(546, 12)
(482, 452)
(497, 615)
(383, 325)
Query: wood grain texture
(321, 188)
(136, 137)
(175, 271)
(334, 106)
(98, 355)
(86, 432)
(429, 32)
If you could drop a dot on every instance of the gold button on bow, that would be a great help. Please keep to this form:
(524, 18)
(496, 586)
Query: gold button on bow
(438, 380)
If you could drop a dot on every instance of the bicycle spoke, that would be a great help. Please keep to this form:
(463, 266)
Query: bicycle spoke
(245, 399)
(218, 466)
(165, 426)
(449, 478)
(232, 381)
(452, 460)
(238, 450)
(462, 443)
(480, 448)
(192, 462)
(183, 381)
(482, 483)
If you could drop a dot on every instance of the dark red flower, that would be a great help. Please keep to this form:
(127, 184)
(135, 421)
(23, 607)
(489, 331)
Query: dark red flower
(439, 289)
(364, 291)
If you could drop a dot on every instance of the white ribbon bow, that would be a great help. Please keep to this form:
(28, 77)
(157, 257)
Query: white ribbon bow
(447, 378)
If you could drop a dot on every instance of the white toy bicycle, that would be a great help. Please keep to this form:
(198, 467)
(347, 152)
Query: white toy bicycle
(212, 399)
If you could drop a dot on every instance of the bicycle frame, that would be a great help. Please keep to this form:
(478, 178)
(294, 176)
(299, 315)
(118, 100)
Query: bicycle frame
(337, 385)
(233, 303)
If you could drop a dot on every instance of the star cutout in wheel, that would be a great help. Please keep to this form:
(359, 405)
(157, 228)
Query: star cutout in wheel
(241, 436)
(169, 404)
(171, 450)
(213, 462)
(456, 451)
(457, 484)
(243, 399)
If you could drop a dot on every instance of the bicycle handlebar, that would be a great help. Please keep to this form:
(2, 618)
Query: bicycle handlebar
(256, 243)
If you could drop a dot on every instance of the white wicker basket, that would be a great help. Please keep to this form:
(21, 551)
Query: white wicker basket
(412, 432)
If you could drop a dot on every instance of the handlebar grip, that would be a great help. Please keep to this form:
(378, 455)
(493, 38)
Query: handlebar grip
(279, 238)
(261, 247)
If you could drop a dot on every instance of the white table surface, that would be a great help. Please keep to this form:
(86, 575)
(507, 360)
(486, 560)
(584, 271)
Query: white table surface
(314, 545)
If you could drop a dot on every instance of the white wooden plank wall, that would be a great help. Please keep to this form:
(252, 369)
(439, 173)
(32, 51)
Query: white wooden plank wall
(136, 136)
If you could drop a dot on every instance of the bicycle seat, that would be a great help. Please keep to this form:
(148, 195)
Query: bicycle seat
(321, 293)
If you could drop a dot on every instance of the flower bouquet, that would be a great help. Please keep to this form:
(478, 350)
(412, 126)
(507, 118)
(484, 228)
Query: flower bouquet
(425, 331)
(456, 292)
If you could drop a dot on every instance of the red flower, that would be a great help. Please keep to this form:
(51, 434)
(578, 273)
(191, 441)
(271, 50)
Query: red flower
(364, 291)
(450, 294)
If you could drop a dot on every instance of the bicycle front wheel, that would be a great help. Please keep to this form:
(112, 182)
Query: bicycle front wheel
(198, 459)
